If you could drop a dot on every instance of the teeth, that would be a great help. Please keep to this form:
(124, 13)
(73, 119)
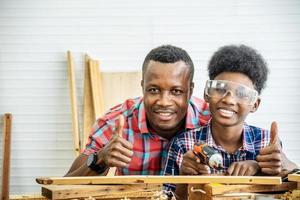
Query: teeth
(226, 112)
(165, 114)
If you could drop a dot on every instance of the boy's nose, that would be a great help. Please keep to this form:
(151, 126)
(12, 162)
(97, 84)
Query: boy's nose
(229, 97)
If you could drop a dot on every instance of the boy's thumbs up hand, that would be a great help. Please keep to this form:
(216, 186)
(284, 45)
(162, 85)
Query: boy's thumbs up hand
(274, 134)
(269, 158)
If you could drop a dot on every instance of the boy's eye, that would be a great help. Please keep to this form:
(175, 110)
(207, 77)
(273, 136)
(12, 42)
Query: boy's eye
(220, 90)
(241, 93)
(176, 92)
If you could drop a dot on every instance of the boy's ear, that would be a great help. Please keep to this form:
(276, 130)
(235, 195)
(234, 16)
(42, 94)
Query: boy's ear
(255, 106)
(206, 98)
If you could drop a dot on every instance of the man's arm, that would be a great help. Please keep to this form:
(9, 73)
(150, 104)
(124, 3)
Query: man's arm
(80, 168)
(116, 153)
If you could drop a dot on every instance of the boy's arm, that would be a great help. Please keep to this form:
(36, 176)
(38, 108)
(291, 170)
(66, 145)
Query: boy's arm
(243, 168)
(271, 159)
(191, 165)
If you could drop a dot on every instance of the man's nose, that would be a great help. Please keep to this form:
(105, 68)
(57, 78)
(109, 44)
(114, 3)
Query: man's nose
(164, 99)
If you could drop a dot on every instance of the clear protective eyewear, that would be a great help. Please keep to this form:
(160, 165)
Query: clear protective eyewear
(220, 88)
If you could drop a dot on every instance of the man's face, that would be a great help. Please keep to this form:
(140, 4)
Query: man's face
(167, 89)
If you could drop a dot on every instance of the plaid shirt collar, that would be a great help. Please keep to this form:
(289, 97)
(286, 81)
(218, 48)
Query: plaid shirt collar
(248, 144)
(192, 120)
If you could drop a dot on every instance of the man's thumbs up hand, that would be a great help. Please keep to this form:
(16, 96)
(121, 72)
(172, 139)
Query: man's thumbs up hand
(118, 151)
(120, 126)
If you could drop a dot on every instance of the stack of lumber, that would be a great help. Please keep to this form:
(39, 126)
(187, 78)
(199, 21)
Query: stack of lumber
(102, 90)
(145, 187)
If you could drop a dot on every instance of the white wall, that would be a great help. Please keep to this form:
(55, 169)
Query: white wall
(35, 35)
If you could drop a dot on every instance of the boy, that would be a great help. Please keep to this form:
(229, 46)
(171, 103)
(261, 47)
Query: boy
(237, 76)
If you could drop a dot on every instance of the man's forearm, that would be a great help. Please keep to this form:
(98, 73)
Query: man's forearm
(85, 171)
(80, 168)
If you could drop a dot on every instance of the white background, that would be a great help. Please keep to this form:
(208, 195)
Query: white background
(35, 35)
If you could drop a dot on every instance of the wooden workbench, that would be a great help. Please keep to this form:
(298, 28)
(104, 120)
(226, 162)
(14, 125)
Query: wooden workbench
(146, 187)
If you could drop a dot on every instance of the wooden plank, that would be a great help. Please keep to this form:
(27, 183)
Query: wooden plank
(216, 189)
(75, 122)
(88, 110)
(119, 86)
(96, 96)
(294, 177)
(245, 196)
(223, 192)
(7, 118)
(266, 180)
(100, 88)
(99, 191)
(27, 197)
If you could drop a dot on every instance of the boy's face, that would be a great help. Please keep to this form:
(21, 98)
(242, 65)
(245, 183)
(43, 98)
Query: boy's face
(238, 101)
(167, 89)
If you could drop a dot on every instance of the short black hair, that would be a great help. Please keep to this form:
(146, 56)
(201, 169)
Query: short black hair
(242, 59)
(169, 54)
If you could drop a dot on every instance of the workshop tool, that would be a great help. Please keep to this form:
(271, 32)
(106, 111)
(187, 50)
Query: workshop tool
(208, 155)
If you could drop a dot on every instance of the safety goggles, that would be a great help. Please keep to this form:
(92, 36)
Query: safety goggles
(220, 88)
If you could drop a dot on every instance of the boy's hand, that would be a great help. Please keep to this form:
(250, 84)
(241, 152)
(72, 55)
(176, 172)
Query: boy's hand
(270, 158)
(118, 151)
(191, 165)
(243, 168)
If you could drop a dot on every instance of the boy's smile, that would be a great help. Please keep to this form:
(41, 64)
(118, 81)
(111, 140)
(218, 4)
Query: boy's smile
(228, 110)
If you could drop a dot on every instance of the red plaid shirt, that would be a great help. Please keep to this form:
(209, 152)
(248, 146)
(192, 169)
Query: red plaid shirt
(150, 150)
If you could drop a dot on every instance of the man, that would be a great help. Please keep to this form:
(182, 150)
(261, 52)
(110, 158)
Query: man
(134, 136)
(148, 123)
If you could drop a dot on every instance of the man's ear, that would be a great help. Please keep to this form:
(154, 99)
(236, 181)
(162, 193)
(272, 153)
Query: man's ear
(255, 106)
(142, 84)
(191, 88)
